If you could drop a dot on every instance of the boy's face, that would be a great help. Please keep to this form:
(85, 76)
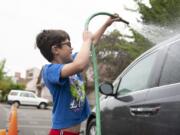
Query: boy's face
(65, 52)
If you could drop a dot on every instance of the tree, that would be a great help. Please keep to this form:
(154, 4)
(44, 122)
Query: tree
(2, 73)
(162, 12)
(6, 83)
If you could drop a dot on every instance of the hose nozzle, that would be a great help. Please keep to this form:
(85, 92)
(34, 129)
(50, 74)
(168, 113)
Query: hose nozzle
(124, 21)
(119, 19)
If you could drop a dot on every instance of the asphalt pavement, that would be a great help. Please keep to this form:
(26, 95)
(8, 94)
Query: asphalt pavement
(4, 112)
(31, 121)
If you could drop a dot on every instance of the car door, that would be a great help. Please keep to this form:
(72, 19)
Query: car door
(27, 98)
(165, 99)
(23, 98)
(122, 114)
(32, 99)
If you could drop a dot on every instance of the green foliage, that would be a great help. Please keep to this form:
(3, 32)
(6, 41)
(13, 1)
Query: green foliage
(2, 73)
(6, 83)
(161, 12)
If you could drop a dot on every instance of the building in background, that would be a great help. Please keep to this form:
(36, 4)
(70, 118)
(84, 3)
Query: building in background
(33, 75)
(42, 90)
(18, 79)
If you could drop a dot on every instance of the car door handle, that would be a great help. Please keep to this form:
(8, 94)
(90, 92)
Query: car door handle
(144, 111)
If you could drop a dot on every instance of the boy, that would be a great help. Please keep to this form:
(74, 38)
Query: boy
(63, 78)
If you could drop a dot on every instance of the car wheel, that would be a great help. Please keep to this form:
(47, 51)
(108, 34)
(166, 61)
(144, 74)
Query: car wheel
(16, 104)
(42, 106)
(91, 129)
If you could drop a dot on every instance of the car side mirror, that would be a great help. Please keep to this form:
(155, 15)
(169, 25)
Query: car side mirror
(106, 89)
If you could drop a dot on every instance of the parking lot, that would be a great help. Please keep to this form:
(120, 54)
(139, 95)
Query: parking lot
(31, 121)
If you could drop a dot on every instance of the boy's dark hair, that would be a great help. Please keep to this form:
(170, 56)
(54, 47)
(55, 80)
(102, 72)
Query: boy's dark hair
(47, 38)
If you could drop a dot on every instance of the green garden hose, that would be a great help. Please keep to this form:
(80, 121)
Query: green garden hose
(95, 70)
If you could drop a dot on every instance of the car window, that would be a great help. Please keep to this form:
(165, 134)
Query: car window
(13, 93)
(31, 95)
(24, 94)
(171, 71)
(138, 76)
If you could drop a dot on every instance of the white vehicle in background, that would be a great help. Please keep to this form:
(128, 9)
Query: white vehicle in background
(26, 98)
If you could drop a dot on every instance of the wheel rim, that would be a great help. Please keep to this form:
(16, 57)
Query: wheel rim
(42, 106)
(92, 130)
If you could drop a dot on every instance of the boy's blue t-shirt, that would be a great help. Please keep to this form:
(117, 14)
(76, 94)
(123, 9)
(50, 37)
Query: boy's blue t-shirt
(70, 105)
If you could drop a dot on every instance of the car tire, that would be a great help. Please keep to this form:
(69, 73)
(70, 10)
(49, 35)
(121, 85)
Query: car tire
(42, 106)
(16, 104)
(91, 129)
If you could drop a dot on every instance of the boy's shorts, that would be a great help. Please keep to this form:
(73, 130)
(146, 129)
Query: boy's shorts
(61, 132)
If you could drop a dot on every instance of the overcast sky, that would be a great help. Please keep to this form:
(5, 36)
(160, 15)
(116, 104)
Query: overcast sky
(22, 20)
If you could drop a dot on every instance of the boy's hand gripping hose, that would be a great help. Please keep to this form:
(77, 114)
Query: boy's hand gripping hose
(96, 78)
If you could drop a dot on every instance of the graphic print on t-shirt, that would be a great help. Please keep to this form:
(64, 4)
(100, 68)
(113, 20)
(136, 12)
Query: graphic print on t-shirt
(78, 93)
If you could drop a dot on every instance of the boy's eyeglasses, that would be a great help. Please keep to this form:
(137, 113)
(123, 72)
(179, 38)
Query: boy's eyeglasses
(68, 43)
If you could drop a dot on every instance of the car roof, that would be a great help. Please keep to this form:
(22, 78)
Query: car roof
(163, 44)
(21, 91)
(17, 90)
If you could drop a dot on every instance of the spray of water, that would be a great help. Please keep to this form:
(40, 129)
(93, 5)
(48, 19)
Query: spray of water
(157, 33)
